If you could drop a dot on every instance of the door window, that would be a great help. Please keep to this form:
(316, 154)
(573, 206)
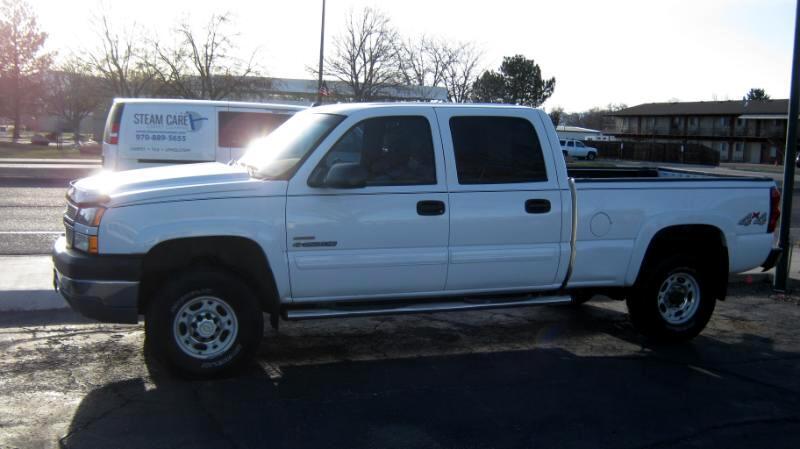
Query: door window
(580, 145)
(392, 150)
(237, 128)
(496, 150)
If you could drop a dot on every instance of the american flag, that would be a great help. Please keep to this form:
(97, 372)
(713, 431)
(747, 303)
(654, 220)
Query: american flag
(323, 90)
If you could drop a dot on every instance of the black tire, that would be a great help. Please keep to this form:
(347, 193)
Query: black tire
(674, 275)
(230, 302)
(591, 156)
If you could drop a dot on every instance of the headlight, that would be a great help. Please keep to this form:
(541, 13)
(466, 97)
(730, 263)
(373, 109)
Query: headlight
(90, 216)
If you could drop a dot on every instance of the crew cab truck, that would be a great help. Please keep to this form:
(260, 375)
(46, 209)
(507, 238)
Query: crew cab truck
(577, 148)
(360, 209)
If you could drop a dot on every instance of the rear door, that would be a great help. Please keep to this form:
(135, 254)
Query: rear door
(505, 202)
(154, 133)
(239, 126)
(386, 239)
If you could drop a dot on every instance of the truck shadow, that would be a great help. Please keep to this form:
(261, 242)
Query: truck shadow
(567, 390)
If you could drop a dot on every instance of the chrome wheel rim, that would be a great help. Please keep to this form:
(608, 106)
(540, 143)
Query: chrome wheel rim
(205, 327)
(678, 298)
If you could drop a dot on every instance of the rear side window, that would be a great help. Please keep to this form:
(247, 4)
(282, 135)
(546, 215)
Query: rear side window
(394, 151)
(237, 129)
(496, 150)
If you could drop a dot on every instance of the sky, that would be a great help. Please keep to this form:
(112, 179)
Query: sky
(600, 52)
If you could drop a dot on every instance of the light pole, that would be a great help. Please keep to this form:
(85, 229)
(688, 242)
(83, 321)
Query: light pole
(321, 54)
(782, 270)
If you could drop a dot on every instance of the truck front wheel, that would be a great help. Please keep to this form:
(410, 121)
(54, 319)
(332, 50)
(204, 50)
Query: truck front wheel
(674, 303)
(203, 323)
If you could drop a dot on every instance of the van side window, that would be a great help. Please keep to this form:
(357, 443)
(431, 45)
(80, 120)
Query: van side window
(496, 150)
(393, 150)
(237, 129)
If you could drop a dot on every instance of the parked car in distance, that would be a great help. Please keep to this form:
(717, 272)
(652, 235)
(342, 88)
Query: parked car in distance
(151, 132)
(361, 209)
(38, 139)
(577, 149)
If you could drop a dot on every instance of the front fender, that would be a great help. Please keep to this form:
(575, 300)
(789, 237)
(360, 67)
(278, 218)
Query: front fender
(137, 229)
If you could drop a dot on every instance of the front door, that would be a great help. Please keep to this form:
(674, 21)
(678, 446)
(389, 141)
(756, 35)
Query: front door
(505, 201)
(387, 238)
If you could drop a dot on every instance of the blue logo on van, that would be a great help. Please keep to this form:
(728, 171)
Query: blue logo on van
(195, 120)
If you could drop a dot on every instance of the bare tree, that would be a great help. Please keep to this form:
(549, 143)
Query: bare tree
(120, 60)
(200, 65)
(22, 61)
(424, 61)
(462, 65)
(365, 55)
(74, 94)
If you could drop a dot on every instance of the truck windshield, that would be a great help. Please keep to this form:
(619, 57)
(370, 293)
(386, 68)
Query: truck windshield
(277, 155)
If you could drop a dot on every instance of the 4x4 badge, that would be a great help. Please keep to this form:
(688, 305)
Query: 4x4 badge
(758, 218)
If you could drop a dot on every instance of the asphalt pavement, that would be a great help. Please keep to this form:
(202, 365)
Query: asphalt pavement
(30, 215)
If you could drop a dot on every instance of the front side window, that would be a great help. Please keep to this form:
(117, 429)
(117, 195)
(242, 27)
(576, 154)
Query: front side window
(496, 150)
(393, 151)
(579, 144)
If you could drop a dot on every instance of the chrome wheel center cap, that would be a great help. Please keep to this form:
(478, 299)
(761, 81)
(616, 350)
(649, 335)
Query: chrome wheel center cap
(206, 328)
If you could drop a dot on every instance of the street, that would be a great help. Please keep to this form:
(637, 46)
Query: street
(536, 377)
(31, 215)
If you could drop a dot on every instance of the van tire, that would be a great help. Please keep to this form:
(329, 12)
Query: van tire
(203, 323)
(673, 302)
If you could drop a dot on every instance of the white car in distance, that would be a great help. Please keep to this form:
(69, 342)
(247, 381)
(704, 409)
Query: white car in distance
(577, 149)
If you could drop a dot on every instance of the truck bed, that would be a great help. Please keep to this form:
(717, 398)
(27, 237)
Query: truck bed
(652, 173)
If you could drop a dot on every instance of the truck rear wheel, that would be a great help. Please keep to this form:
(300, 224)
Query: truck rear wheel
(674, 302)
(203, 323)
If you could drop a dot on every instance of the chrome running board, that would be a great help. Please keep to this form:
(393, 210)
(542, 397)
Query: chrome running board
(356, 310)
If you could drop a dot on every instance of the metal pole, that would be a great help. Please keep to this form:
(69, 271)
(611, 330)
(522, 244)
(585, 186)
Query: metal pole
(782, 270)
(321, 54)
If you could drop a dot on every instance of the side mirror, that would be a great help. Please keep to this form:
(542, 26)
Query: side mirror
(346, 175)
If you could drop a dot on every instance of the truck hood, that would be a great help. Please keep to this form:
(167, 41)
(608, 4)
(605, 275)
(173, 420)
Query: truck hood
(173, 182)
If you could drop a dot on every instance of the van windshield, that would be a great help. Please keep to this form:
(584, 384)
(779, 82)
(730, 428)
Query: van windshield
(277, 155)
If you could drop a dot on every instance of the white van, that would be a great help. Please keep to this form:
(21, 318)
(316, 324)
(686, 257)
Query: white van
(149, 132)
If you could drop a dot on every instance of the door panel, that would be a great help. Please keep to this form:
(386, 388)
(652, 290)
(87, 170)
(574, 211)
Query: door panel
(495, 243)
(386, 239)
(505, 205)
(376, 244)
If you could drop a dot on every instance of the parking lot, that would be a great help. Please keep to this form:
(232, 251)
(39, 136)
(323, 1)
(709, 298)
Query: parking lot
(538, 377)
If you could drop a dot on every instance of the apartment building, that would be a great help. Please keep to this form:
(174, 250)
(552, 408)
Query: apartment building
(741, 131)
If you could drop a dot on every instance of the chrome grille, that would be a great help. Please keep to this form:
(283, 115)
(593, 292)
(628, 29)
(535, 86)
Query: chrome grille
(71, 212)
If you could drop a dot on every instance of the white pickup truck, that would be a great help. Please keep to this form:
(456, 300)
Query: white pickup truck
(352, 210)
(576, 148)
